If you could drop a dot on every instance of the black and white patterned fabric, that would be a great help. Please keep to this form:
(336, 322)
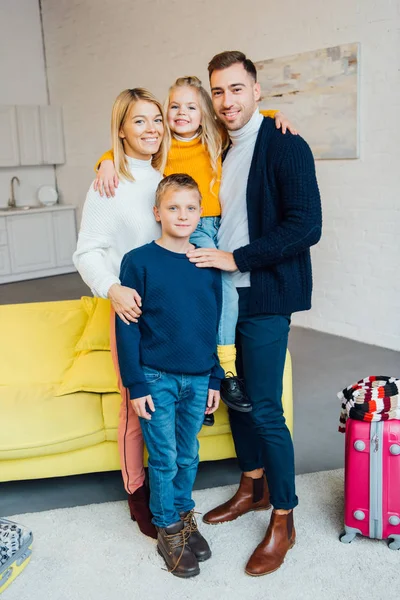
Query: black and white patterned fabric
(12, 538)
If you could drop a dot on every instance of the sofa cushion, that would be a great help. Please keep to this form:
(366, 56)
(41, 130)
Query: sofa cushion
(96, 335)
(38, 423)
(111, 404)
(38, 340)
(91, 371)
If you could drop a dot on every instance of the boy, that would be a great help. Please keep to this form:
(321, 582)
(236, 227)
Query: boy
(168, 362)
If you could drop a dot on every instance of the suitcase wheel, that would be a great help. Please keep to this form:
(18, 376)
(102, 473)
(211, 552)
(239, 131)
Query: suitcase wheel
(346, 537)
(394, 543)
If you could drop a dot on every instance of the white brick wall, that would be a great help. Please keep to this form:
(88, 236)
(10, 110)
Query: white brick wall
(96, 49)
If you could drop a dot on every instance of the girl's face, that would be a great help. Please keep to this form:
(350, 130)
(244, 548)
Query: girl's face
(142, 130)
(184, 114)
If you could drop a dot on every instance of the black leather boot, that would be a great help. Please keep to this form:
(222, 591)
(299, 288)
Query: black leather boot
(198, 545)
(172, 545)
(209, 420)
(233, 393)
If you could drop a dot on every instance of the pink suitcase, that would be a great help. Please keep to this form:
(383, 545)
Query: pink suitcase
(372, 481)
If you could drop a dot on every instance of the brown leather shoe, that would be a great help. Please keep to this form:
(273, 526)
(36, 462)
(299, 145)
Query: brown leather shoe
(173, 547)
(140, 511)
(198, 544)
(252, 494)
(270, 553)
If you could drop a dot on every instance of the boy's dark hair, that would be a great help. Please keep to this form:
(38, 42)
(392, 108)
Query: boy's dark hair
(231, 57)
(176, 181)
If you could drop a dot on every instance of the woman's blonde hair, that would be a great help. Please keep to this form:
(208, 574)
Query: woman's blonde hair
(120, 111)
(212, 133)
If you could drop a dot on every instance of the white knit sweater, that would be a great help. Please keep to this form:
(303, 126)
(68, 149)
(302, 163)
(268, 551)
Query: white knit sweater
(111, 227)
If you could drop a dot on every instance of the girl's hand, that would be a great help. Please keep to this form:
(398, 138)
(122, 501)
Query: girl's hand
(106, 179)
(281, 122)
(139, 406)
(126, 302)
(212, 402)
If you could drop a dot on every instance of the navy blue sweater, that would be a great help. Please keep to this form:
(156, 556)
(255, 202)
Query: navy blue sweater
(177, 331)
(284, 215)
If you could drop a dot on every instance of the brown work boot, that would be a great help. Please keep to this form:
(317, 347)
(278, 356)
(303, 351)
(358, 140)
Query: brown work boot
(173, 547)
(140, 511)
(198, 545)
(270, 553)
(252, 494)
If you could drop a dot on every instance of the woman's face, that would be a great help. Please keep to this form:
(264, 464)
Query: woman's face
(184, 113)
(142, 130)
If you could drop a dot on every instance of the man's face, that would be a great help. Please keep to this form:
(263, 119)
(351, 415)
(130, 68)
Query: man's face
(234, 96)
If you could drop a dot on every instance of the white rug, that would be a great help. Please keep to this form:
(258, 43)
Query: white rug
(96, 553)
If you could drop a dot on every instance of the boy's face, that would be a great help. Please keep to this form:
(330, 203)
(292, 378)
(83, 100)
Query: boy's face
(179, 212)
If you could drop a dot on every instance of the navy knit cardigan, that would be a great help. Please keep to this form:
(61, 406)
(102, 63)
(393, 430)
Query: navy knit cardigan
(284, 215)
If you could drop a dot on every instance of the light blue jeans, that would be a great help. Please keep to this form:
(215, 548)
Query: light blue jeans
(205, 236)
(171, 440)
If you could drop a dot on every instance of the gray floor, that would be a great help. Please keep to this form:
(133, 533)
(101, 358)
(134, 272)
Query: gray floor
(322, 365)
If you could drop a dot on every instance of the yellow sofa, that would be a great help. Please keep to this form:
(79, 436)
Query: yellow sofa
(59, 400)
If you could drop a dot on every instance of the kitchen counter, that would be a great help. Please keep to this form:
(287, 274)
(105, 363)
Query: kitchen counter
(5, 212)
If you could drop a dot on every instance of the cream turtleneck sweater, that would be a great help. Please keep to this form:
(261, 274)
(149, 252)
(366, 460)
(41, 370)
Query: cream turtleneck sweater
(111, 227)
(234, 230)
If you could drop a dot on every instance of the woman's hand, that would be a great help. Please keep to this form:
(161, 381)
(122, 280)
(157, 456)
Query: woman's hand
(212, 402)
(106, 179)
(139, 406)
(126, 302)
(281, 122)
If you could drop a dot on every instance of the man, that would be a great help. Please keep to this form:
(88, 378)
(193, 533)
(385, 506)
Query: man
(271, 216)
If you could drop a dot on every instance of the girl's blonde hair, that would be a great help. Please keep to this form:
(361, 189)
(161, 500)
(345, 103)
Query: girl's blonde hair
(212, 132)
(120, 111)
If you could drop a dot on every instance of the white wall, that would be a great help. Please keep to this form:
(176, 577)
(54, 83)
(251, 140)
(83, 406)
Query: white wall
(23, 81)
(96, 49)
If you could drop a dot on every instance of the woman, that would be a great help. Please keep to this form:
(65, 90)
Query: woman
(110, 229)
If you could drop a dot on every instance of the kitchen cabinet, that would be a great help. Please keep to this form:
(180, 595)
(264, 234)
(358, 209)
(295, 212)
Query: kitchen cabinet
(31, 242)
(64, 229)
(4, 254)
(31, 135)
(9, 154)
(37, 243)
(52, 135)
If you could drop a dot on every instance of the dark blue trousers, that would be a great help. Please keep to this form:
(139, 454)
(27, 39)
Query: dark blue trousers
(261, 437)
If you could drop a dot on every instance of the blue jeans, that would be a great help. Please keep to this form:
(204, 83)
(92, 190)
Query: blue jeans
(171, 440)
(205, 236)
(261, 437)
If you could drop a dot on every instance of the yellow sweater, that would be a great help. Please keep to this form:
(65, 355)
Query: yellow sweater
(192, 158)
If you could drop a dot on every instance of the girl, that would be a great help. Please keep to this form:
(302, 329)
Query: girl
(110, 229)
(198, 141)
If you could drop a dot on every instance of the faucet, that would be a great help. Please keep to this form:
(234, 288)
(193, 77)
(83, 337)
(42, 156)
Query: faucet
(11, 201)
